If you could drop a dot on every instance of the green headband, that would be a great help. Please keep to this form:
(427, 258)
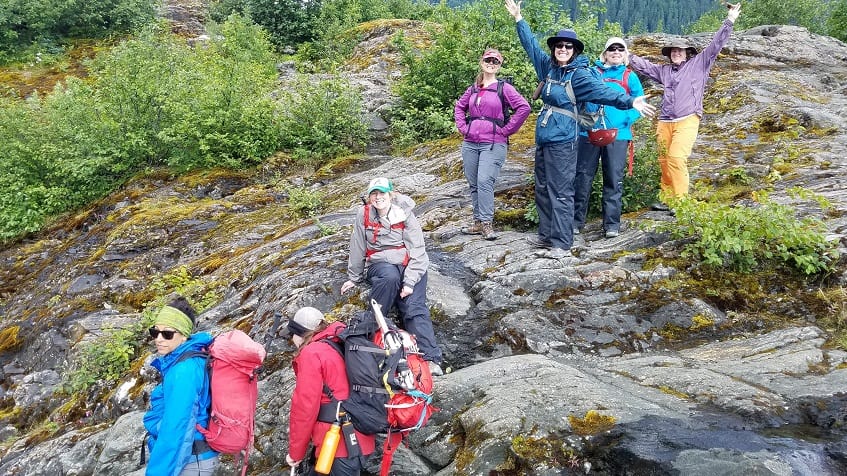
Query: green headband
(176, 319)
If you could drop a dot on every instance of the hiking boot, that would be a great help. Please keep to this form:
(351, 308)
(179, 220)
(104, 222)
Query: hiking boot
(488, 231)
(435, 369)
(660, 207)
(612, 233)
(475, 229)
(537, 242)
(559, 253)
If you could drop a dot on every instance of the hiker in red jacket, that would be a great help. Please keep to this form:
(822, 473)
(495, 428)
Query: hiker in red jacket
(317, 365)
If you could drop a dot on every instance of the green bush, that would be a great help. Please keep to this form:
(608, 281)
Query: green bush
(745, 239)
(151, 101)
(322, 119)
(305, 201)
(46, 22)
(105, 359)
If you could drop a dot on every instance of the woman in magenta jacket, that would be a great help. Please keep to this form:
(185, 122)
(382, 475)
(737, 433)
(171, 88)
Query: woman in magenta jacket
(318, 366)
(479, 118)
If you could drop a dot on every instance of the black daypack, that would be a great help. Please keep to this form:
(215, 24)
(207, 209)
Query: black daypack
(370, 372)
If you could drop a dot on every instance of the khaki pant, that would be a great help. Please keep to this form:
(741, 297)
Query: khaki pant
(676, 139)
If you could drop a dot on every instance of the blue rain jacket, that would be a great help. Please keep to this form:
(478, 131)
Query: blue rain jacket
(176, 405)
(586, 87)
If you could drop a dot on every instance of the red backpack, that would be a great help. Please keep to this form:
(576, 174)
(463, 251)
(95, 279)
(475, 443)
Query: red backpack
(408, 409)
(234, 363)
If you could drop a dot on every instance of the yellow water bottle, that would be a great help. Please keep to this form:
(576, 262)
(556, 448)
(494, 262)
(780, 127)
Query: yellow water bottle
(328, 448)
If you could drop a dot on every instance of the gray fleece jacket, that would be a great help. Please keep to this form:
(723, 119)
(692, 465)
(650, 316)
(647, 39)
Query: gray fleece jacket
(388, 239)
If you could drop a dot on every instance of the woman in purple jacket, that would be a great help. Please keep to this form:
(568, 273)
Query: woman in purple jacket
(684, 81)
(479, 116)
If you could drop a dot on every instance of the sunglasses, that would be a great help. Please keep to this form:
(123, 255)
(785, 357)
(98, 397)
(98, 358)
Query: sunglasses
(616, 48)
(167, 335)
(491, 61)
(564, 46)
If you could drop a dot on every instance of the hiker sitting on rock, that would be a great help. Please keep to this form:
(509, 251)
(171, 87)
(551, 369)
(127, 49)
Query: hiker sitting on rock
(482, 117)
(387, 251)
(684, 81)
(318, 366)
(181, 400)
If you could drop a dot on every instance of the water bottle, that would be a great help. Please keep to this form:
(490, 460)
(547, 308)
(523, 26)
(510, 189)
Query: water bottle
(328, 448)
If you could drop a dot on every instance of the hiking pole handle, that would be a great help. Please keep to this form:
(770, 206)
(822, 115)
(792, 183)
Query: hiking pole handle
(389, 339)
(380, 318)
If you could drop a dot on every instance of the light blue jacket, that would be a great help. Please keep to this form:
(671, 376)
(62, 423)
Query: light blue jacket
(177, 404)
(586, 87)
(616, 118)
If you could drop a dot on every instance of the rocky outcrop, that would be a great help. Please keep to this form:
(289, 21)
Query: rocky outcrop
(560, 366)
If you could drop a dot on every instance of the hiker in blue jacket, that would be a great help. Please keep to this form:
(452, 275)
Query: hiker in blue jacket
(181, 400)
(613, 157)
(557, 131)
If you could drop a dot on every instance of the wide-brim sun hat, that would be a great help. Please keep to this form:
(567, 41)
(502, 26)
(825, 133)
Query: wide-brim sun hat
(566, 35)
(679, 43)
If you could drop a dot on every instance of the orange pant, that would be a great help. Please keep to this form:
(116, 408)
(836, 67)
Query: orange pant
(676, 139)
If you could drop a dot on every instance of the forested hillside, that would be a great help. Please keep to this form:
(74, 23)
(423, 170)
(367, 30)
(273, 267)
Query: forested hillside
(670, 16)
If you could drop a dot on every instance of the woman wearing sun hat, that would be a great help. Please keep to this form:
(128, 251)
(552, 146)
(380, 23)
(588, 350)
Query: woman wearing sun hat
(614, 72)
(556, 131)
(387, 251)
(479, 118)
(181, 400)
(684, 81)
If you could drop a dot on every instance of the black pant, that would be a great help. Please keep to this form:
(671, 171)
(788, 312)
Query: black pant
(349, 466)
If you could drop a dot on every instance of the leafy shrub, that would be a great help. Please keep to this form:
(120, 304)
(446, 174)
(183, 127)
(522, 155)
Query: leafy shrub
(322, 119)
(105, 359)
(305, 201)
(199, 293)
(151, 101)
(745, 239)
(46, 22)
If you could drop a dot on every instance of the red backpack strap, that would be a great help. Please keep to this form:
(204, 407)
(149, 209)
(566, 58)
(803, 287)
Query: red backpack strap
(631, 158)
(376, 226)
(392, 442)
(370, 224)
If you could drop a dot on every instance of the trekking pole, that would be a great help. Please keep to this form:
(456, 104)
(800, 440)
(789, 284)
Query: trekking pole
(393, 343)
(390, 339)
(380, 319)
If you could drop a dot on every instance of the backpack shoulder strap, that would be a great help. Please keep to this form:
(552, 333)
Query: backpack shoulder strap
(192, 353)
(625, 79)
(623, 82)
(503, 103)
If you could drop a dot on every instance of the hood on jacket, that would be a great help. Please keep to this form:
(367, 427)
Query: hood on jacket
(331, 330)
